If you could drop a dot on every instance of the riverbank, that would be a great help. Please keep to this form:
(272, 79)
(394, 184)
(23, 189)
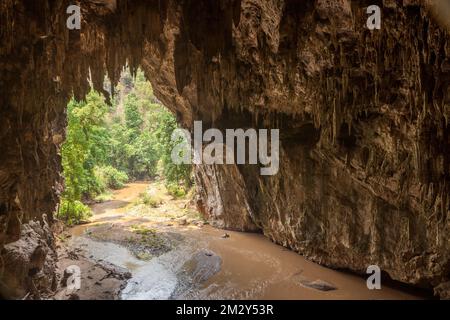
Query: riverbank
(161, 249)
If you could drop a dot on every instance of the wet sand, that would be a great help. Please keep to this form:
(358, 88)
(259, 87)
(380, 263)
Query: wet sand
(251, 266)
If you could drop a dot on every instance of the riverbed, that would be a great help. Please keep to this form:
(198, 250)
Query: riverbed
(166, 252)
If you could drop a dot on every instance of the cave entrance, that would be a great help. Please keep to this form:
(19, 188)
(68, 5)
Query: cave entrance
(116, 139)
(145, 239)
(130, 226)
(124, 201)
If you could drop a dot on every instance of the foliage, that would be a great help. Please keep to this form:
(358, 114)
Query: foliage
(107, 146)
(141, 137)
(174, 174)
(110, 177)
(73, 212)
(176, 190)
(150, 200)
(84, 147)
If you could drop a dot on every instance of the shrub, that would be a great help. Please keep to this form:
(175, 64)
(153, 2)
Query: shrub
(175, 190)
(110, 177)
(73, 212)
(149, 200)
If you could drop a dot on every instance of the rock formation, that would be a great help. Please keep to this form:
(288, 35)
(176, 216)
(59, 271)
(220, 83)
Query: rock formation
(363, 116)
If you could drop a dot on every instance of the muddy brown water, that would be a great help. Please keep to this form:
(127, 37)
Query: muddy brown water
(205, 265)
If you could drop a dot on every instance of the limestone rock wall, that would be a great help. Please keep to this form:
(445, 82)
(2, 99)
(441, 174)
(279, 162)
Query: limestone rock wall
(363, 118)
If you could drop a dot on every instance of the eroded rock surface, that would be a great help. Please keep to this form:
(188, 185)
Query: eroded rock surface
(363, 117)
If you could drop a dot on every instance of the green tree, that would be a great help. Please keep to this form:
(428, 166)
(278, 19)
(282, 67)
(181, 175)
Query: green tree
(85, 146)
(107, 145)
(177, 176)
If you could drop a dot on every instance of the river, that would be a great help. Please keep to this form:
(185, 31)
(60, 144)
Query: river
(193, 260)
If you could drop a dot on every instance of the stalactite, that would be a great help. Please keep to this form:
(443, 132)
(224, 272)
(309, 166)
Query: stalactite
(230, 61)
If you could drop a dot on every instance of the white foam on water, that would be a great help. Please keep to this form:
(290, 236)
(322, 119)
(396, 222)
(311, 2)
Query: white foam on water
(157, 279)
(150, 282)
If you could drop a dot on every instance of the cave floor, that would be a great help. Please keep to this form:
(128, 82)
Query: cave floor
(165, 251)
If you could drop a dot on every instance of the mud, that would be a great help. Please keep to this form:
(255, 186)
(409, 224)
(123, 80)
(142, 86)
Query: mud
(131, 251)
